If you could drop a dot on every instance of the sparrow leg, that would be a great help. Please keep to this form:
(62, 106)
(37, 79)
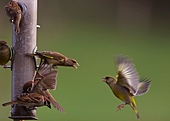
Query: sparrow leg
(24, 94)
(5, 66)
(32, 108)
(119, 107)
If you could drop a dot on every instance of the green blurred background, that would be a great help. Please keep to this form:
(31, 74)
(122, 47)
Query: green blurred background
(94, 32)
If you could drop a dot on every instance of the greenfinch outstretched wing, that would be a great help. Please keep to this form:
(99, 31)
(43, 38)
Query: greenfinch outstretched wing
(127, 74)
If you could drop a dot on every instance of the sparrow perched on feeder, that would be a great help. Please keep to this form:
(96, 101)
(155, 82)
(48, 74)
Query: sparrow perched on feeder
(126, 85)
(56, 59)
(44, 80)
(5, 53)
(30, 101)
(13, 10)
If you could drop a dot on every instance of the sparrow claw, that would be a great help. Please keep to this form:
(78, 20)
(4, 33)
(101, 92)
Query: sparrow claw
(32, 108)
(24, 94)
(55, 67)
(4, 66)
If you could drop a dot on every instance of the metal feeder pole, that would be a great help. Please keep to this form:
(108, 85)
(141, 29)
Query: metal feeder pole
(23, 67)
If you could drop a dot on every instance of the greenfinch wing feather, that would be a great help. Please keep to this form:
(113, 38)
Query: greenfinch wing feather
(143, 87)
(127, 74)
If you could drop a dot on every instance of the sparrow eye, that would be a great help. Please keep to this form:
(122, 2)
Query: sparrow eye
(29, 89)
(74, 61)
(106, 78)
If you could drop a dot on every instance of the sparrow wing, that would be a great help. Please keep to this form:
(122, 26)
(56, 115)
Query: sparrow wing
(45, 78)
(49, 80)
(25, 98)
(52, 55)
(43, 69)
(35, 97)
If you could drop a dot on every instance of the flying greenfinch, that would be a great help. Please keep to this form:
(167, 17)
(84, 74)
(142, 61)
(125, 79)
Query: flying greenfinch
(44, 80)
(126, 84)
(5, 53)
(56, 59)
(30, 101)
(13, 10)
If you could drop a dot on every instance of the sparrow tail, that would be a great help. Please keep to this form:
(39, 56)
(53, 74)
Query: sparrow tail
(54, 102)
(10, 103)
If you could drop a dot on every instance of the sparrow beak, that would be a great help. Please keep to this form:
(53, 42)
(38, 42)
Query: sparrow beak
(75, 66)
(103, 79)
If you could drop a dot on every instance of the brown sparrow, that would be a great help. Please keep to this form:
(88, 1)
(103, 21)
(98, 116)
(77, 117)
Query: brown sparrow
(30, 101)
(13, 10)
(44, 80)
(56, 59)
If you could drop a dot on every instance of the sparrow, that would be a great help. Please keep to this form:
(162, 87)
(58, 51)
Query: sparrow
(126, 85)
(5, 53)
(13, 10)
(30, 101)
(44, 80)
(56, 59)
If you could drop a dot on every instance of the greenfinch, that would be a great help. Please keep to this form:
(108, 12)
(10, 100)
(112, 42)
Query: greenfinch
(30, 101)
(56, 59)
(126, 84)
(44, 80)
(5, 53)
(13, 10)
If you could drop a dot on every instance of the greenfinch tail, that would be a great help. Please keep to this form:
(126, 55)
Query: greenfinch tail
(133, 105)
